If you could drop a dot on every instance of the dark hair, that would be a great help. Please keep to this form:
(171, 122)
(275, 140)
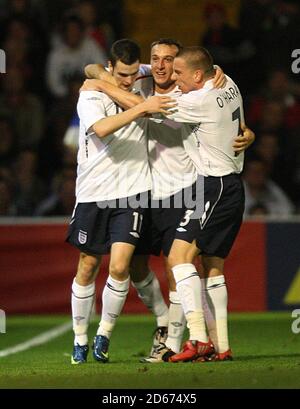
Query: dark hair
(125, 50)
(198, 58)
(167, 41)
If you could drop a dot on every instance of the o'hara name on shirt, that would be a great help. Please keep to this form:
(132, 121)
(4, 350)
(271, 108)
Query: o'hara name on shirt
(227, 96)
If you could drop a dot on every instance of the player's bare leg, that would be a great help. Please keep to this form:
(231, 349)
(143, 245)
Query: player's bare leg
(188, 286)
(83, 294)
(215, 293)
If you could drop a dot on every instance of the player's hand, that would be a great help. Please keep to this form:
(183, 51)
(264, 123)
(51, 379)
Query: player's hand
(90, 85)
(159, 104)
(243, 141)
(219, 78)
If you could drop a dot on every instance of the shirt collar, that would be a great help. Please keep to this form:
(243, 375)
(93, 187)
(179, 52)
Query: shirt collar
(209, 84)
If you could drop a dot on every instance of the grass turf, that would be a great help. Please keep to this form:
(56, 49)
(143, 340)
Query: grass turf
(266, 355)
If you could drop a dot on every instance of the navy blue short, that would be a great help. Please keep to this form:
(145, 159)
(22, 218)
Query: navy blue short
(93, 228)
(216, 228)
(165, 217)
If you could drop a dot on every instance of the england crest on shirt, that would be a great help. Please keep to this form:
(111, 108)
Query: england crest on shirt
(82, 237)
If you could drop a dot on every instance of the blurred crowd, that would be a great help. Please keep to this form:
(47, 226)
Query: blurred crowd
(47, 44)
(257, 55)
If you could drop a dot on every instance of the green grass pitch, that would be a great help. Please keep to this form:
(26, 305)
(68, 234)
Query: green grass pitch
(266, 355)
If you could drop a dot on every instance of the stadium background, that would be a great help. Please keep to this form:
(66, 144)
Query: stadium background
(252, 41)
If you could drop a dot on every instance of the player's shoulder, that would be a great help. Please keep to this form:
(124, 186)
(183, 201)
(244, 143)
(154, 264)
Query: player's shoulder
(194, 97)
(231, 83)
(144, 79)
(144, 75)
(144, 86)
(89, 101)
(93, 96)
(144, 70)
(229, 79)
(175, 93)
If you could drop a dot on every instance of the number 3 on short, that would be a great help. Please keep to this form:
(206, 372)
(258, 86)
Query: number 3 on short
(187, 217)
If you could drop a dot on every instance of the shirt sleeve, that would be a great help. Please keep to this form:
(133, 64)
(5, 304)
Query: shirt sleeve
(144, 70)
(189, 108)
(91, 108)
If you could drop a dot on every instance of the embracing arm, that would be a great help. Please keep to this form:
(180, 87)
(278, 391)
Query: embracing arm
(245, 140)
(111, 124)
(93, 70)
(98, 71)
(101, 80)
(123, 98)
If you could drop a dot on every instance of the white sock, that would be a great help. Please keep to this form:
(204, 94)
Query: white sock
(217, 299)
(82, 301)
(188, 286)
(177, 323)
(149, 292)
(208, 314)
(113, 299)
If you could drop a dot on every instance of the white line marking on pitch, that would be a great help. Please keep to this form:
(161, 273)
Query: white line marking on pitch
(38, 340)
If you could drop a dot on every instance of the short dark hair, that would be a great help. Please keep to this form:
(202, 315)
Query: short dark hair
(167, 41)
(125, 50)
(198, 58)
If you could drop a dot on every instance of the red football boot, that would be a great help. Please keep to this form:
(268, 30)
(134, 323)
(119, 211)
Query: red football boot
(191, 351)
(208, 355)
(223, 356)
(216, 357)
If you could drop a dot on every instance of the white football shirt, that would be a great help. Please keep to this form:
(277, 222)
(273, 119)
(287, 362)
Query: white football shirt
(171, 167)
(211, 119)
(115, 166)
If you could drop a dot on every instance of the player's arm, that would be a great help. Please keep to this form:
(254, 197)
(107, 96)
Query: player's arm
(245, 140)
(111, 124)
(98, 71)
(93, 70)
(123, 98)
